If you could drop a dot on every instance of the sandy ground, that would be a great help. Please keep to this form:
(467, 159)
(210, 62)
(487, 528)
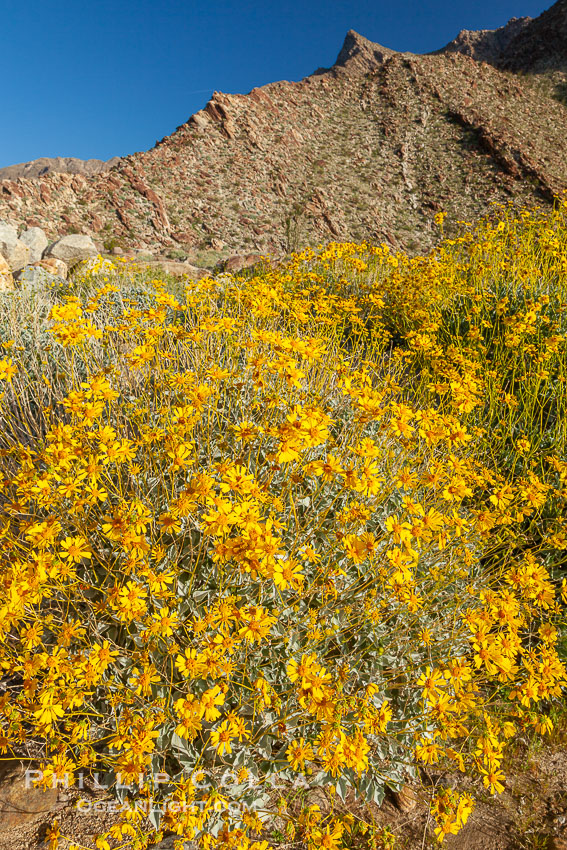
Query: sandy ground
(531, 814)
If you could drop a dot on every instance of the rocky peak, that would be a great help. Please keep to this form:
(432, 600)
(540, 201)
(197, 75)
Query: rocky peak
(360, 55)
(487, 45)
(523, 44)
(541, 45)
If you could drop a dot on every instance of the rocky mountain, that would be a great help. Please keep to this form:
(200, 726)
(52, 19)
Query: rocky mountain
(487, 45)
(522, 45)
(60, 164)
(542, 45)
(369, 148)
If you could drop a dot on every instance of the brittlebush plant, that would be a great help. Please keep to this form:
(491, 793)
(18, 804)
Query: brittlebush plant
(261, 536)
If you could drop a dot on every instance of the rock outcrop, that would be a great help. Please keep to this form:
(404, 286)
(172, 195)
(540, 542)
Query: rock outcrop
(487, 45)
(541, 45)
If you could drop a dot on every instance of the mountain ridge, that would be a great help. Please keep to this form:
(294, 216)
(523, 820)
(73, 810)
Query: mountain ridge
(522, 45)
(486, 45)
(369, 148)
(61, 164)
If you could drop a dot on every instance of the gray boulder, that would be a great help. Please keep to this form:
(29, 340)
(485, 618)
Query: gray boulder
(15, 252)
(71, 249)
(37, 242)
(37, 279)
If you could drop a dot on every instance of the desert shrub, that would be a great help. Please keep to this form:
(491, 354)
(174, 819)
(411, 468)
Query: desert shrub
(110, 244)
(482, 324)
(45, 374)
(177, 254)
(250, 551)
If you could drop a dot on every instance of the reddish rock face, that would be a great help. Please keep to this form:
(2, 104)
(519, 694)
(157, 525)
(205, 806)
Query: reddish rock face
(185, 237)
(44, 194)
(96, 223)
(11, 188)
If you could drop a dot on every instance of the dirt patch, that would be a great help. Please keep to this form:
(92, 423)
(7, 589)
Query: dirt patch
(27, 813)
(530, 814)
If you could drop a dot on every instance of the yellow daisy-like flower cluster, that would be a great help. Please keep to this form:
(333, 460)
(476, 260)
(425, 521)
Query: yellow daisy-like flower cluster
(303, 527)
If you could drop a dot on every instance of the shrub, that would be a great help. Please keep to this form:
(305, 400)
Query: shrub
(110, 244)
(250, 550)
(177, 254)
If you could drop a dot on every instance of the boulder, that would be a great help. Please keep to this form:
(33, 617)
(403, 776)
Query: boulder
(186, 238)
(8, 231)
(6, 279)
(37, 242)
(19, 804)
(238, 262)
(15, 252)
(37, 279)
(53, 266)
(196, 272)
(72, 248)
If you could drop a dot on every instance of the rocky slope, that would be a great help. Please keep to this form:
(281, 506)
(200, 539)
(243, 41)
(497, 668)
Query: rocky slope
(369, 148)
(60, 164)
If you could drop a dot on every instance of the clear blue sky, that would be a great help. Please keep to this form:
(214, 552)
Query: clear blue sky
(99, 78)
